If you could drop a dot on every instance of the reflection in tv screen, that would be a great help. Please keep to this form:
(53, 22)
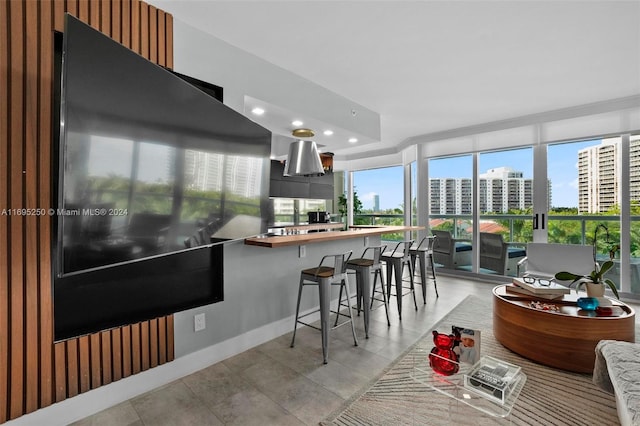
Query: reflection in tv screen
(134, 199)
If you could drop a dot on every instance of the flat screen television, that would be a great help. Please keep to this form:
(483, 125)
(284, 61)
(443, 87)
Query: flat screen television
(153, 174)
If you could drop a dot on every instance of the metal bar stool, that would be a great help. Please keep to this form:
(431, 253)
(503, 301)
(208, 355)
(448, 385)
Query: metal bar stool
(423, 251)
(396, 261)
(324, 277)
(363, 268)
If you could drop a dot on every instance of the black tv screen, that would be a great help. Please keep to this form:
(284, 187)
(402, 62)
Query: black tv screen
(153, 174)
(149, 163)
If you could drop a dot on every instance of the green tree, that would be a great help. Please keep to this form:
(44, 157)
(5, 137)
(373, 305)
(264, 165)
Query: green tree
(342, 204)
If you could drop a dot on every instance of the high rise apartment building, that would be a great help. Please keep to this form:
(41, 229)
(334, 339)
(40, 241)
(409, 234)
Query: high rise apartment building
(501, 189)
(599, 175)
(207, 171)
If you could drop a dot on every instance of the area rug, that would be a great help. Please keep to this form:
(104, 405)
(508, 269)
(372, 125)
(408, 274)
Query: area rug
(549, 397)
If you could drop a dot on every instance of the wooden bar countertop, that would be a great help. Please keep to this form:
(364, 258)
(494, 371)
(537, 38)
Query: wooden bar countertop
(318, 237)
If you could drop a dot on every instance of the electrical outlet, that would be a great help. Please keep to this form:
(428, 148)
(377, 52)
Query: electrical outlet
(199, 322)
(302, 251)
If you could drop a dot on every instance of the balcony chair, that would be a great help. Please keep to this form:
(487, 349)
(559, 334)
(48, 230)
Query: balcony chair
(451, 252)
(495, 254)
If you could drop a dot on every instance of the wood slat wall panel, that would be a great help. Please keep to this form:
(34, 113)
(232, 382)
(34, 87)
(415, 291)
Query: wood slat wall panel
(71, 7)
(116, 354)
(35, 371)
(16, 230)
(58, 15)
(153, 34)
(116, 16)
(162, 50)
(94, 14)
(105, 344)
(127, 369)
(72, 368)
(162, 340)
(105, 17)
(4, 220)
(30, 174)
(136, 352)
(83, 10)
(168, 42)
(144, 345)
(96, 360)
(136, 32)
(60, 373)
(84, 366)
(44, 222)
(126, 24)
(144, 30)
(170, 341)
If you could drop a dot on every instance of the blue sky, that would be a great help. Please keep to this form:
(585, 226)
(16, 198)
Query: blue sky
(562, 170)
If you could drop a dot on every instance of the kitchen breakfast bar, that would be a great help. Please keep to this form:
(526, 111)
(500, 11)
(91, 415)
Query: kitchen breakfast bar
(300, 236)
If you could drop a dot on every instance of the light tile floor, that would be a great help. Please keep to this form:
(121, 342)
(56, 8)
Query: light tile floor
(273, 384)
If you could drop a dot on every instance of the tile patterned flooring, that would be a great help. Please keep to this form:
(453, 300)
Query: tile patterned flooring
(273, 384)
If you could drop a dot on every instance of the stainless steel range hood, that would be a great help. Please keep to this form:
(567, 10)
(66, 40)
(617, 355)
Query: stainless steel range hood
(303, 160)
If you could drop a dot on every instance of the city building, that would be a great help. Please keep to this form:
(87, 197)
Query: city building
(599, 175)
(501, 189)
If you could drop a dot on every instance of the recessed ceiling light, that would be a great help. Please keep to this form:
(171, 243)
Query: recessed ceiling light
(328, 132)
(353, 140)
(297, 123)
(257, 111)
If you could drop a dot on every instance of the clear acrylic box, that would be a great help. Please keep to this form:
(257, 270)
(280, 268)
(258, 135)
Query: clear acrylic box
(454, 387)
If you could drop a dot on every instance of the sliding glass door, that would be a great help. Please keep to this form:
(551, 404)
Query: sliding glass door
(451, 210)
(505, 180)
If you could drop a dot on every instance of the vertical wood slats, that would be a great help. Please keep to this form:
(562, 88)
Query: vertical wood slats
(30, 174)
(16, 258)
(4, 200)
(35, 371)
(47, 389)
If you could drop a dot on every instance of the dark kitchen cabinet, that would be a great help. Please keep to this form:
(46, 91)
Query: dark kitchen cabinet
(315, 187)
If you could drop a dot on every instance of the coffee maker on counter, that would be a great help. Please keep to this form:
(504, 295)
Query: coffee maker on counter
(319, 217)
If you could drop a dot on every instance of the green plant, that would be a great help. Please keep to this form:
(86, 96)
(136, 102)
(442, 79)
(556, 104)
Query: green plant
(596, 276)
(342, 204)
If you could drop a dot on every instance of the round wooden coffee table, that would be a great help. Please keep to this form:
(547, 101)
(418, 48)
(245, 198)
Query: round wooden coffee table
(565, 339)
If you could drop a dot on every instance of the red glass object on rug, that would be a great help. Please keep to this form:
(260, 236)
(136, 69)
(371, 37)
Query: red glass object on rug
(442, 358)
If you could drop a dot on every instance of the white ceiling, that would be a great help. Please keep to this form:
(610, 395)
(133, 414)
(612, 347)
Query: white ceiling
(431, 66)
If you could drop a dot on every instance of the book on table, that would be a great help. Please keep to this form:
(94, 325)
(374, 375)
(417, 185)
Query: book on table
(519, 291)
(537, 288)
(467, 344)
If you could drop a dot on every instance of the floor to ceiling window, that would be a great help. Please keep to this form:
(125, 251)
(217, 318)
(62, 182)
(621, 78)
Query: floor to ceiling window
(583, 184)
(584, 198)
(451, 209)
(634, 217)
(380, 192)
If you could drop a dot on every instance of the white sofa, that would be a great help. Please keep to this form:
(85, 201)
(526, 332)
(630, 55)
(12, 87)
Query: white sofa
(617, 370)
(544, 260)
